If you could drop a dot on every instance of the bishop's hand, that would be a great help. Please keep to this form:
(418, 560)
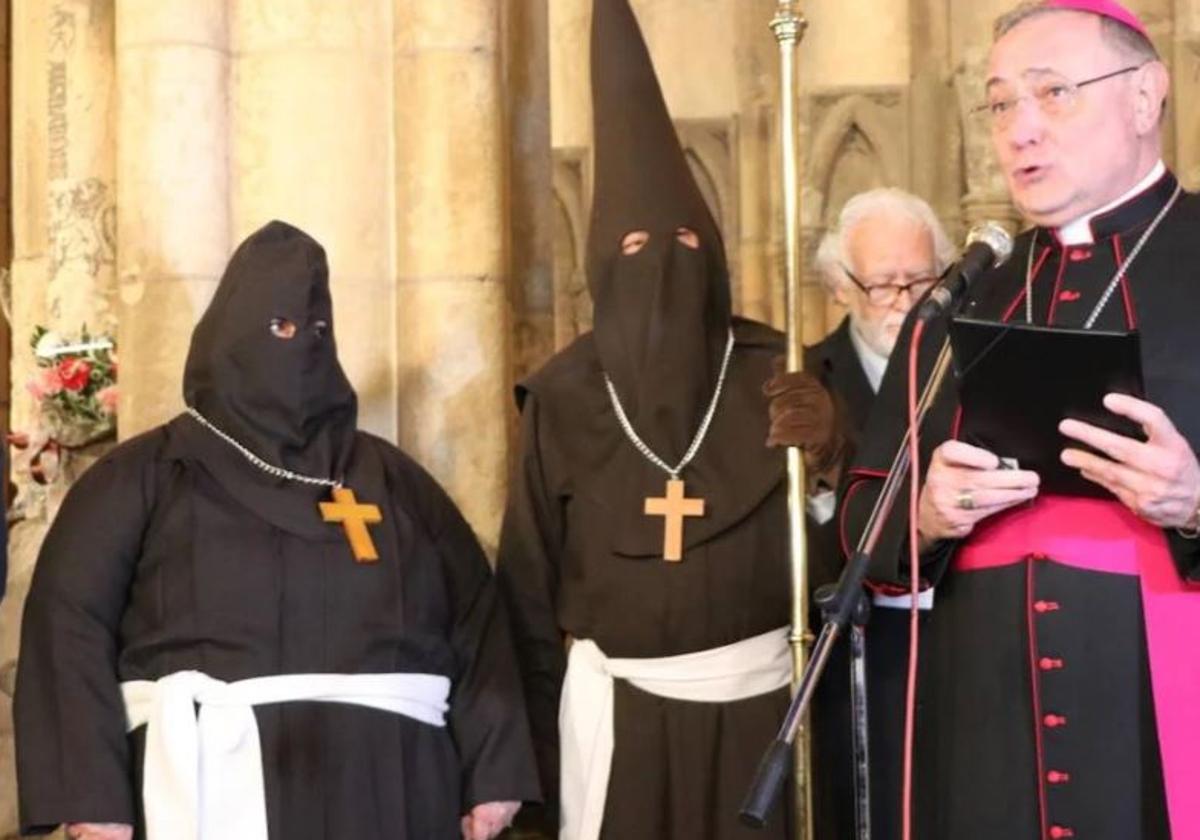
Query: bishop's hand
(964, 485)
(99, 831)
(1159, 479)
(488, 819)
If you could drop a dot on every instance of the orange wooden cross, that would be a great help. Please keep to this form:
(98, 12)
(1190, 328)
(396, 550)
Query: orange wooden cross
(354, 518)
(674, 507)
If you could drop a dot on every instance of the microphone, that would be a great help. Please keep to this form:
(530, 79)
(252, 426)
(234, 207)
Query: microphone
(988, 246)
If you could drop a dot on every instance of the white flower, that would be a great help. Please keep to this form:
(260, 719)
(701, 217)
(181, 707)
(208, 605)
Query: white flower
(48, 344)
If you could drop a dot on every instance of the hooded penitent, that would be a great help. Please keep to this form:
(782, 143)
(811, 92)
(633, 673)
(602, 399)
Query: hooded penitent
(287, 400)
(661, 315)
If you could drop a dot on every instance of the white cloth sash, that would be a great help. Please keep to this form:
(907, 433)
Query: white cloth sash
(203, 774)
(748, 668)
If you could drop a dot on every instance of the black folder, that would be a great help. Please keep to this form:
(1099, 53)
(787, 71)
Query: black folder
(1017, 382)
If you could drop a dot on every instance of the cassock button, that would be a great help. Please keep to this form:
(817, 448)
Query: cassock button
(1054, 721)
(1079, 254)
(1057, 832)
(1046, 606)
(1057, 777)
(1048, 664)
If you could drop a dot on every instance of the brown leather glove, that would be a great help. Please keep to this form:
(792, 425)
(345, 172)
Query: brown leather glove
(803, 414)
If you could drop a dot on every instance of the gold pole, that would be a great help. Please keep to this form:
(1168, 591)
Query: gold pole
(788, 26)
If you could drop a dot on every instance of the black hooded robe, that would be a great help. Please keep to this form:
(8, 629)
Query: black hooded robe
(174, 553)
(982, 683)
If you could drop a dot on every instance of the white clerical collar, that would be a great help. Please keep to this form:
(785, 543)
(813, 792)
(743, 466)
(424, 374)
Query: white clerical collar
(1079, 231)
(873, 363)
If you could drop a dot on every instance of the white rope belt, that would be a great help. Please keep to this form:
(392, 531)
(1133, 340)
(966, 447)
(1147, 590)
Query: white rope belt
(748, 668)
(203, 775)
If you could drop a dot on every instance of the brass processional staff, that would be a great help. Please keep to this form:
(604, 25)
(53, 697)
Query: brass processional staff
(788, 26)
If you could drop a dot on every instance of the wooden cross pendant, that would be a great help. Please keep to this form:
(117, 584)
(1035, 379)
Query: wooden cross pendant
(673, 508)
(354, 518)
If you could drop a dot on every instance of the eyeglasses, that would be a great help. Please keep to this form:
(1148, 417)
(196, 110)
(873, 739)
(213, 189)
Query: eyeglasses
(1055, 96)
(885, 294)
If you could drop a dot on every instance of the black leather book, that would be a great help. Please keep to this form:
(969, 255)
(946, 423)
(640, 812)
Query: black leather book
(1017, 382)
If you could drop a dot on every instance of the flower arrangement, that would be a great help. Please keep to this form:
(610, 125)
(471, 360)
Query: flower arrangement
(75, 386)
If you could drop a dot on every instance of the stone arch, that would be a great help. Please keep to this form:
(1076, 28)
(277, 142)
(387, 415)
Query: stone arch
(710, 147)
(857, 125)
(572, 304)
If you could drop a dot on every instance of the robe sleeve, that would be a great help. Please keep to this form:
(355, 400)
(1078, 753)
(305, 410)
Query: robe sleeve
(487, 711)
(72, 753)
(891, 561)
(530, 544)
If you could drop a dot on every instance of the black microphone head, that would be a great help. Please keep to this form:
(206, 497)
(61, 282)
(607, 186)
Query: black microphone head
(995, 237)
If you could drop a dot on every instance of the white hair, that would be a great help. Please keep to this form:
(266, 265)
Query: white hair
(885, 201)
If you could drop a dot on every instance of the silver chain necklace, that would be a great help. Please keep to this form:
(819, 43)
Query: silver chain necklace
(640, 444)
(269, 469)
(1121, 271)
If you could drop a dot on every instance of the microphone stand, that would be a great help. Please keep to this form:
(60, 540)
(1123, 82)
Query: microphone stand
(845, 602)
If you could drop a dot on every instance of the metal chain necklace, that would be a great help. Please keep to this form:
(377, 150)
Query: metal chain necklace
(343, 509)
(674, 506)
(270, 469)
(641, 445)
(1121, 271)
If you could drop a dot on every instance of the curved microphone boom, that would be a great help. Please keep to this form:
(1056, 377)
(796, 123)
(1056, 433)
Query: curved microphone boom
(988, 246)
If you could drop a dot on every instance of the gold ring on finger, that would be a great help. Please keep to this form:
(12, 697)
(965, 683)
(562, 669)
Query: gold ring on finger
(966, 500)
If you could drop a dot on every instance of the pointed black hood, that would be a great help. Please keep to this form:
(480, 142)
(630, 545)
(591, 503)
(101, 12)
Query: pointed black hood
(288, 401)
(662, 315)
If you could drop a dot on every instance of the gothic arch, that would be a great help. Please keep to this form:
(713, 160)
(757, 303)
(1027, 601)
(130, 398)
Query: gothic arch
(851, 119)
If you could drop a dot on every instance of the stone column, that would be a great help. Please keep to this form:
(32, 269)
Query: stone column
(30, 195)
(757, 67)
(986, 196)
(310, 132)
(172, 176)
(934, 122)
(531, 180)
(81, 164)
(452, 234)
(1185, 99)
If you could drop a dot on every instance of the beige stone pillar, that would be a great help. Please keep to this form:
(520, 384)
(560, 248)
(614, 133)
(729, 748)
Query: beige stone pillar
(986, 196)
(855, 43)
(692, 42)
(934, 121)
(81, 165)
(570, 24)
(531, 180)
(172, 177)
(310, 131)
(452, 318)
(30, 195)
(1185, 98)
(756, 58)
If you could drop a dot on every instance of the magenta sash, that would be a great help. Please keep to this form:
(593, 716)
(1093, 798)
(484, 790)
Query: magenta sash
(1104, 536)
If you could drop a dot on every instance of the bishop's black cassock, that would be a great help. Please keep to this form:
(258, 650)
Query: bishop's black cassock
(1037, 712)
(174, 553)
(578, 556)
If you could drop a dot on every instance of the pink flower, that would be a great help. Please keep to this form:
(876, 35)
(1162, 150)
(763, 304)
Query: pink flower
(46, 383)
(107, 397)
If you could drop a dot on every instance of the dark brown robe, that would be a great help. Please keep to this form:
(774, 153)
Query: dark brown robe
(571, 567)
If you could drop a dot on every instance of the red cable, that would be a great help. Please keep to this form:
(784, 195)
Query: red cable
(914, 476)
